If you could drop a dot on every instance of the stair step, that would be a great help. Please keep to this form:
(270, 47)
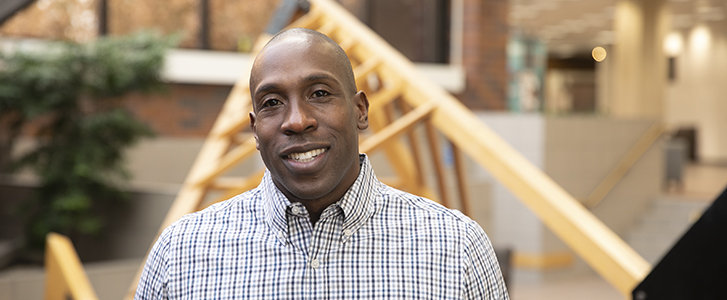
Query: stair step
(672, 207)
(663, 224)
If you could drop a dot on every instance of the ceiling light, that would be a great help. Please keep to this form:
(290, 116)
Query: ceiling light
(700, 39)
(598, 54)
(673, 44)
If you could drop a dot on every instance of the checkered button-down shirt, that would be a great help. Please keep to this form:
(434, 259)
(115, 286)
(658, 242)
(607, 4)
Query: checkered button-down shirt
(375, 243)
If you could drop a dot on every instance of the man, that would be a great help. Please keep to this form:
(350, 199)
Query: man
(319, 225)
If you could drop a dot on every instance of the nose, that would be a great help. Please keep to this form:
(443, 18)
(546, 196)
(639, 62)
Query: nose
(298, 119)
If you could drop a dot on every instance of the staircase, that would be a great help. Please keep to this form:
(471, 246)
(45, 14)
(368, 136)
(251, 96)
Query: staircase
(669, 217)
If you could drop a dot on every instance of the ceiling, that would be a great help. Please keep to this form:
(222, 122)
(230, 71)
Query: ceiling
(572, 27)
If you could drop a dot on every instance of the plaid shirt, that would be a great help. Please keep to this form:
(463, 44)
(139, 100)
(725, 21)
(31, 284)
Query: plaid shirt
(376, 242)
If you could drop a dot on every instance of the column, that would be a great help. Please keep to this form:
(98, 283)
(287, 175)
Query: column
(639, 64)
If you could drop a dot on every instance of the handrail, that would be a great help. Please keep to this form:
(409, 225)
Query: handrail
(624, 165)
(64, 275)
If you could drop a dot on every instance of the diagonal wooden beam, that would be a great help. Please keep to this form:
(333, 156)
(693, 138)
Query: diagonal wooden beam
(433, 141)
(415, 146)
(592, 240)
(461, 180)
(624, 165)
(397, 128)
(64, 274)
(226, 162)
(383, 97)
(363, 70)
(577, 227)
(242, 185)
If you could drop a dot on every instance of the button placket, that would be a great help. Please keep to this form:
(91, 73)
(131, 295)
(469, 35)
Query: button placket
(346, 235)
(282, 237)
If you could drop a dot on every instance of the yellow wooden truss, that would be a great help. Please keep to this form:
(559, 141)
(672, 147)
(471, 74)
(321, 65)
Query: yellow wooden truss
(408, 116)
(64, 275)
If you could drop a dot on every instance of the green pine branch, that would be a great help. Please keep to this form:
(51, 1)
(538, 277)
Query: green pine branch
(70, 93)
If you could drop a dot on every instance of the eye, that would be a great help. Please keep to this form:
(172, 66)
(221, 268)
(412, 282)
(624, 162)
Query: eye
(271, 103)
(320, 93)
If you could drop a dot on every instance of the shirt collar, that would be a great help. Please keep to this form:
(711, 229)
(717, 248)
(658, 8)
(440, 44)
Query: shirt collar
(357, 204)
(275, 203)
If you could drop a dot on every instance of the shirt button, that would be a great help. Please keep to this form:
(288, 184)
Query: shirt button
(281, 235)
(297, 210)
(315, 263)
(347, 233)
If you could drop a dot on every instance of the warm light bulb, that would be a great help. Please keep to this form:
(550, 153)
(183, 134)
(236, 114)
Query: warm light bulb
(699, 39)
(673, 44)
(598, 53)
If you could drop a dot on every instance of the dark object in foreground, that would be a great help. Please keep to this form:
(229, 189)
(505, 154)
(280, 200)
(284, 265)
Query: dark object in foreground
(696, 267)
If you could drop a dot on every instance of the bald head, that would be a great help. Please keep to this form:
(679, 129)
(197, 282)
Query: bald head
(338, 59)
(306, 117)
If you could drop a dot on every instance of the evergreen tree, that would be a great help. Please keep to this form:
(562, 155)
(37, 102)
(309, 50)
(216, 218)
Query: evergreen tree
(69, 93)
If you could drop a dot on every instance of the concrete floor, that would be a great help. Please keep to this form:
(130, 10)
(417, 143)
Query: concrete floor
(704, 181)
(589, 286)
(700, 183)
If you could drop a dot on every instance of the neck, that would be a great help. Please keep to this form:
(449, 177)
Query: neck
(315, 207)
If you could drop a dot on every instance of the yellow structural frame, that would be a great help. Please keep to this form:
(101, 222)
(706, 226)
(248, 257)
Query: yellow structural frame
(64, 274)
(396, 82)
(408, 111)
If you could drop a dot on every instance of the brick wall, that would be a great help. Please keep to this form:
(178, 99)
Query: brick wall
(183, 110)
(485, 38)
(484, 42)
(231, 23)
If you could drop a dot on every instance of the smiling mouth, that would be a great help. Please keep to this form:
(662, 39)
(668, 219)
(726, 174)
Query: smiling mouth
(306, 156)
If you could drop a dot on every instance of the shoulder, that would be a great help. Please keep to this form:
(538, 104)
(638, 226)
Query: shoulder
(242, 208)
(189, 239)
(422, 207)
(435, 218)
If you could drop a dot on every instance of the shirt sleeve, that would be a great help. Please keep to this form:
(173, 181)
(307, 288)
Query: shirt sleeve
(154, 278)
(482, 275)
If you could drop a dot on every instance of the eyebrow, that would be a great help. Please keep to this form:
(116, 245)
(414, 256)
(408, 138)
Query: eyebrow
(308, 79)
(266, 88)
(319, 77)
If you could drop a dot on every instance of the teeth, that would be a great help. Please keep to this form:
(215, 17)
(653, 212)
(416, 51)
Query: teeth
(307, 156)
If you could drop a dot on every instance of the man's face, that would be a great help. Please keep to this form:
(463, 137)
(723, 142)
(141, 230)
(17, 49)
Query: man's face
(305, 121)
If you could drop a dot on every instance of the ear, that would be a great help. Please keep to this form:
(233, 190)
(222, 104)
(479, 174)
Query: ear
(362, 108)
(254, 131)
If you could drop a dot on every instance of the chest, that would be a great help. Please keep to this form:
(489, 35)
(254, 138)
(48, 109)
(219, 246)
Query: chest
(374, 261)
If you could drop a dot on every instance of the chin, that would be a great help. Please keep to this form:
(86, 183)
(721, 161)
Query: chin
(306, 192)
